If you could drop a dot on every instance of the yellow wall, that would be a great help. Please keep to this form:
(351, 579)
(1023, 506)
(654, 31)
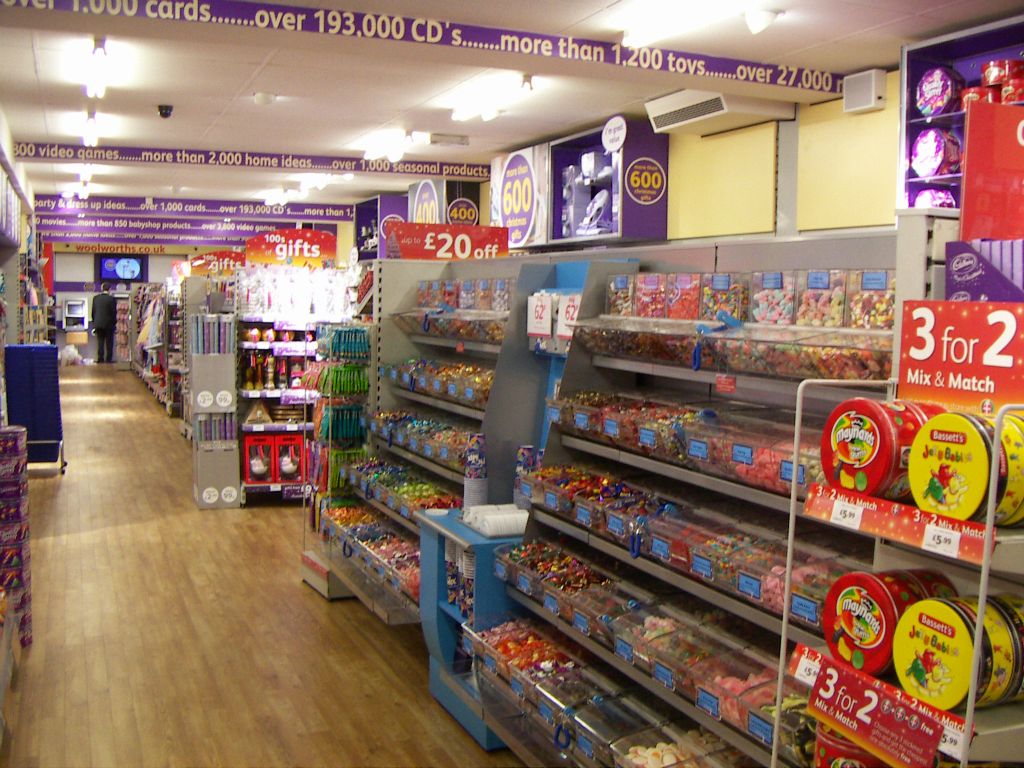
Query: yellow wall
(485, 204)
(722, 185)
(848, 163)
(346, 240)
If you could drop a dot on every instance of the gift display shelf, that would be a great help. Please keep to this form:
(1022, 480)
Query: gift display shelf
(756, 750)
(695, 587)
(710, 482)
(279, 349)
(420, 461)
(276, 426)
(273, 394)
(456, 344)
(439, 403)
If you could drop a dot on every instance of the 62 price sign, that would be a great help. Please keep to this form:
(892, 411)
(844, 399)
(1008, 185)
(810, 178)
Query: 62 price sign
(962, 354)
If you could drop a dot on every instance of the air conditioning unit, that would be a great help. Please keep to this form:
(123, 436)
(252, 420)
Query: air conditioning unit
(704, 112)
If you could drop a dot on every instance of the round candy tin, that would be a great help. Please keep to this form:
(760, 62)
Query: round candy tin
(990, 93)
(1013, 90)
(935, 152)
(860, 615)
(865, 445)
(831, 750)
(933, 649)
(938, 91)
(949, 465)
(933, 583)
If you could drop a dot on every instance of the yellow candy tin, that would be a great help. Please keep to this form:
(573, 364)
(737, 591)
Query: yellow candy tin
(949, 465)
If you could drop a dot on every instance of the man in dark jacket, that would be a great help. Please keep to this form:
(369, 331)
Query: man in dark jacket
(103, 320)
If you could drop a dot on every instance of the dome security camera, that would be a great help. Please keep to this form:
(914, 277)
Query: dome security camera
(165, 110)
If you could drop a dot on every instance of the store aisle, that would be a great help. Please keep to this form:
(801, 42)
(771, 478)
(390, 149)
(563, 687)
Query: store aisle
(169, 636)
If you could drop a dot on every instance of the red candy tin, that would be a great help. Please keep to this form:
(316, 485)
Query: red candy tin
(833, 751)
(860, 616)
(990, 93)
(1013, 90)
(865, 444)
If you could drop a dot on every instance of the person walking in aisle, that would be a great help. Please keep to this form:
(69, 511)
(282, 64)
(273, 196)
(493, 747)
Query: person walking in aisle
(103, 319)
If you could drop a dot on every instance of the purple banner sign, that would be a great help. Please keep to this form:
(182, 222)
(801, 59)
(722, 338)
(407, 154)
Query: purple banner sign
(102, 239)
(95, 224)
(447, 34)
(194, 209)
(217, 158)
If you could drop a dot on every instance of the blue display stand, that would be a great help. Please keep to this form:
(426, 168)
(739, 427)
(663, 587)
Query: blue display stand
(442, 623)
(33, 399)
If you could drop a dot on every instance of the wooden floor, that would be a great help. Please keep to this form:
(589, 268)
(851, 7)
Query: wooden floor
(169, 636)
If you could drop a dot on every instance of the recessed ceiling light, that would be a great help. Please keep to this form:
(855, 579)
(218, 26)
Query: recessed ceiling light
(347, 176)
(96, 70)
(758, 21)
(262, 98)
(91, 133)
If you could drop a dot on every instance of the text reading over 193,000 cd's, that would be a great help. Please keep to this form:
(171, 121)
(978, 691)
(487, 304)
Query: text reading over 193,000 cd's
(447, 34)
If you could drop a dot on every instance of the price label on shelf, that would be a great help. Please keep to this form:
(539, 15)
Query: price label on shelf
(568, 311)
(538, 316)
(952, 742)
(941, 541)
(807, 670)
(725, 384)
(847, 515)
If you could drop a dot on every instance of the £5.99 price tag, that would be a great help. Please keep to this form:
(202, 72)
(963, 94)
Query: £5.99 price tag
(568, 311)
(538, 315)
(941, 541)
(847, 515)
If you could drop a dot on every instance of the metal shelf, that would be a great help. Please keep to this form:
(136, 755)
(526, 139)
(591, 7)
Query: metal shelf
(752, 749)
(998, 732)
(468, 346)
(709, 482)
(682, 373)
(695, 587)
(415, 458)
(384, 509)
(436, 402)
(391, 607)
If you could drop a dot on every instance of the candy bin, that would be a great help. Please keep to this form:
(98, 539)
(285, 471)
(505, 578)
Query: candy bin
(562, 585)
(619, 421)
(592, 504)
(722, 679)
(758, 573)
(525, 677)
(636, 630)
(773, 298)
(626, 522)
(587, 412)
(669, 539)
(533, 570)
(649, 295)
(602, 721)
(865, 356)
(668, 746)
(508, 557)
(620, 295)
(821, 298)
(871, 299)
(484, 293)
(725, 292)
(811, 587)
(595, 608)
(674, 655)
(797, 728)
(559, 695)
(711, 556)
(682, 296)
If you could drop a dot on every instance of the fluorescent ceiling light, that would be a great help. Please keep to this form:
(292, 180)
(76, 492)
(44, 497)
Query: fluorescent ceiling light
(488, 95)
(391, 143)
(758, 21)
(647, 21)
(262, 98)
(91, 132)
(96, 70)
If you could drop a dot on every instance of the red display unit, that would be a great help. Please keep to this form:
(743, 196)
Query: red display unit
(260, 459)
